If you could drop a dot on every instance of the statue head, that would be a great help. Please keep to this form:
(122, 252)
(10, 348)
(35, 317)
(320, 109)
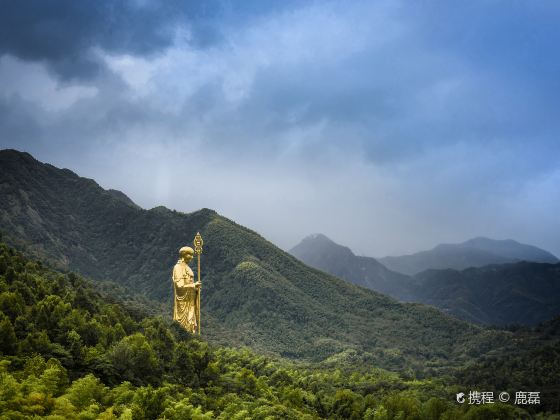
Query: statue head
(186, 253)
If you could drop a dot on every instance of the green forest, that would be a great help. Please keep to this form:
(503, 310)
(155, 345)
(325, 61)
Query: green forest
(72, 351)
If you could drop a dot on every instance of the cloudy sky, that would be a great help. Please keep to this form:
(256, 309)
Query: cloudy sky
(389, 126)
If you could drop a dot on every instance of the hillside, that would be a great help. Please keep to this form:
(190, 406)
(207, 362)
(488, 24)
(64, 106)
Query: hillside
(523, 293)
(322, 253)
(476, 252)
(530, 360)
(254, 294)
(68, 351)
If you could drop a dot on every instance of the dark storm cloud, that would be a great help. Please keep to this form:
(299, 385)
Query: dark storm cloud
(420, 123)
(62, 32)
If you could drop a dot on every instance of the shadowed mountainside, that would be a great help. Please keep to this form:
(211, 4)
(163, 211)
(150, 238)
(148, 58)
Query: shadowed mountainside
(68, 350)
(322, 253)
(475, 252)
(523, 293)
(254, 293)
(517, 293)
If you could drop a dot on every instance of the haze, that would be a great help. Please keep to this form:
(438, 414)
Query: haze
(388, 126)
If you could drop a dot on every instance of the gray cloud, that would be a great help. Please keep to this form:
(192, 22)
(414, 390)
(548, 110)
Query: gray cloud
(62, 33)
(352, 121)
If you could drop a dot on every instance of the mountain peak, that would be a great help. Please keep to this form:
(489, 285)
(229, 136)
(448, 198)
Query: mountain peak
(13, 157)
(318, 237)
(253, 290)
(319, 241)
(511, 249)
(475, 252)
(483, 240)
(11, 153)
(320, 252)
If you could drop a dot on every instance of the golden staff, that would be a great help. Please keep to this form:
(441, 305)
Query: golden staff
(198, 249)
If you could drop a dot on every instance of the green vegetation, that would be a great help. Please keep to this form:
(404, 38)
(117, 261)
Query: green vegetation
(529, 361)
(322, 253)
(71, 348)
(254, 294)
(524, 293)
(68, 351)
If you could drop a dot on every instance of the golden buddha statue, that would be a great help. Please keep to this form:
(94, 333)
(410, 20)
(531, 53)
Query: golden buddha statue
(186, 310)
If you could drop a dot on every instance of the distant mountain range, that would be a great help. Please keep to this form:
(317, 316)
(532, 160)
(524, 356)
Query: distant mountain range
(514, 293)
(476, 252)
(322, 253)
(254, 294)
(517, 293)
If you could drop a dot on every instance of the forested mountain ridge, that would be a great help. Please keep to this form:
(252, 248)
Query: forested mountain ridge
(322, 253)
(529, 361)
(515, 293)
(525, 293)
(413, 339)
(68, 351)
(476, 252)
(254, 294)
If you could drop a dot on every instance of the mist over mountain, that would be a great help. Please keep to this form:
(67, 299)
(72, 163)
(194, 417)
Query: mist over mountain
(70, 350)
(517, 293)
(322, 253)
(253, 293)
(391, 126)
(514, 293)
(476, 252)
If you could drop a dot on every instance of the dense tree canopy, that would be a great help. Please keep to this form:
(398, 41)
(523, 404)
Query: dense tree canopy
(69, 351)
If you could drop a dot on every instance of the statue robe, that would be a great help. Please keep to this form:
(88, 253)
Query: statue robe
(185, 302)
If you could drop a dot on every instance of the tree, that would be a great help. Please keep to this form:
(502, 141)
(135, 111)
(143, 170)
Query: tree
(54, 377)
(11, 304)
(246, 381)
(24, 291)
(86, 391)
(160, 338)
(184, 410)
(36, 342)
(3, 265)
(8, 339)
(11, 275)
(134, 359)
(148, 403)
(183, 366)
(402, 407)
(434, 408)
(75, 346)
(49, 312)
(347, 404)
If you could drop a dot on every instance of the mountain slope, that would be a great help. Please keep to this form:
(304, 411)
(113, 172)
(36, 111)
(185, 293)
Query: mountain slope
(518, 293)
(476, 252)
(511, 249)
(68, 351)
(530, 360)
(320, 252)
(254, 293)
